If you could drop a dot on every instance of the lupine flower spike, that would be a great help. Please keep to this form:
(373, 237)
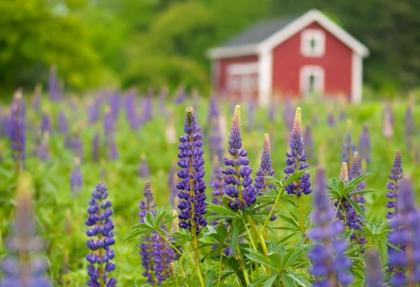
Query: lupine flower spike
(144, 171)
(356, 171)
(192, 205)
(348, 146)
(266, 167)
(238, 183)
(24, 268)
(308, 143)
(76, 179)
(364, 144)
(408, 127)
(374, 276)
(101, 238)
(43, 149)
(404, 263)
(296, 159)
(393, 186)
(330, 265)
(17, 129)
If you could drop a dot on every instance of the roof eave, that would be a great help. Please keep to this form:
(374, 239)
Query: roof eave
(234, 51)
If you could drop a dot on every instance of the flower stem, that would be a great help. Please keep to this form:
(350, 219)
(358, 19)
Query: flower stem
(197, 259)
(259, 235)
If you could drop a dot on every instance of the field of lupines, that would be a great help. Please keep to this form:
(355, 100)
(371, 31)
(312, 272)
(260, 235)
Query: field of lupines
(121, 189)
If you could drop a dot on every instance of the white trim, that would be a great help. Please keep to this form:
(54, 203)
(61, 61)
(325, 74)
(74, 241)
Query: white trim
(306, 38)
(265, 78)
(288, 31)
(356, 78)
(243, 69)
(305, 72)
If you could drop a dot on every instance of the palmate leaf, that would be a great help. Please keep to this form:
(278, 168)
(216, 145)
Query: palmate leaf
(218, 212)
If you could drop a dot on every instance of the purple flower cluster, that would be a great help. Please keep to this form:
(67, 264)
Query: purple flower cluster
(144, 171)
(405, 225)
(393, 186)
(17, 128)
(54, 89)
(330, 265)
(408, 127)
(156, 255)
(348, 147)
(296, 159)
(215, 135)
(101, 239)
(364, 144)
(45, 124)
(216, 184)
(308, 143)
(374, 276)
(238, 183)
(62, 123)
(109, 132)
(24, 268)
(42, 151)
(191, 187)
(266, 167)
(76, 179)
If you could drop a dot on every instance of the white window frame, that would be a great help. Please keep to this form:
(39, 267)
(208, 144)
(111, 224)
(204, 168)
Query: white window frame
(305, 73)
(309, 35)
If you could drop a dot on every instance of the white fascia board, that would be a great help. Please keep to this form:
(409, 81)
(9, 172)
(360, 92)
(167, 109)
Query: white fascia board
(234, 51)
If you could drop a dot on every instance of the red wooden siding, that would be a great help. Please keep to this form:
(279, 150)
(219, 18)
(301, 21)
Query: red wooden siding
(221, 75)
(288, 61)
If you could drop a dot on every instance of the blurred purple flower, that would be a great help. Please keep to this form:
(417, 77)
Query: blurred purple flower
(76, 179)
(288, 114)
(96, 147)
(43, 151)
(130, 110)
(62, 123)
(54, 89)
(408, 127)
(374, 276)
(330, 120)
(144, 171)
(215, 134)
(364, 144)
(330, 265)
(393, 186)
(308, 143)
(17, 128)
(266, 167)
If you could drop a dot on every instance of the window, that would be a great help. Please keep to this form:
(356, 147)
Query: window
(312, 43)
(311, 80)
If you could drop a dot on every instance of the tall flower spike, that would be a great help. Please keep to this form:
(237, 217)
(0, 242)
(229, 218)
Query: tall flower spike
(101, 238)
(388, 122)
(144, 171)
(17, 128)
(393, 186)
(45, 124)
(42, 151)
(404, 264)
(216, 182)
(408, 126)
(191, 187)
(309, 143)
(347, 214)
(374, 276)
(96, 153)
(296, 159)
(348, 146)
(266, 167)
(364, 144)
(356, 171)
(330, 265)
(238, 183)
(215, 135)
(62, 123)
(24, 268)
(54, 89)
(76, 179)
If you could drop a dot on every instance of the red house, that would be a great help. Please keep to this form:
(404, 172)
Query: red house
(289, 58)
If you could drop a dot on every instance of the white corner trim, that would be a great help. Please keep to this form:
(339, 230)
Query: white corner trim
(265, 77)
(306, 38)
(234, 51)
(243, 68)
(356, 78)
(306, 19)
(319, 75)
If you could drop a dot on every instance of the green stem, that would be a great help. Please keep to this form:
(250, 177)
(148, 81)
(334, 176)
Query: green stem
(197, 260)
(251, 239)
(244, 272)
(260, 237)
(220, 268)
(273, 207)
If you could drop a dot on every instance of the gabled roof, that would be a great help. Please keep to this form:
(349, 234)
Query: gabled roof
(268, 34)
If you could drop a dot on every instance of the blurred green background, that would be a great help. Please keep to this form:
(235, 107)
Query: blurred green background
(143, 43)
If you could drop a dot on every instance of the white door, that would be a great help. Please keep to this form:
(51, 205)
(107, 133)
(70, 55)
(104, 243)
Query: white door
(311, 80)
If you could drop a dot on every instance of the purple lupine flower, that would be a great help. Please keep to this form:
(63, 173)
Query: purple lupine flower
(348, 147)
(93, 110)
(130, 110)
(404, 263)
(348, 215)
(101, 238)
(114, 105)
(393, 186)
(266, 167)
(74, 143)
(364, 144)
(192, 205)
(76, 178)
(17, 128)
(62, 123)
(308, 143)
(330, 120)
(356, 171)
(156, 254)
(388, 122)
(296, 159)
(216, 182)
(288, 114)
(252, 106)
(144, 171)
(36, 98)
(45, 124)
(54, 89)
(238, 182)
(109, 132)
(96, 153)
(23, 268)
(374, 276)
(42, 151)
(162, 102)
(272, 111)
(330, 265)
(146, 109)
(181, 96)
(215, 134)
(408, 127)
